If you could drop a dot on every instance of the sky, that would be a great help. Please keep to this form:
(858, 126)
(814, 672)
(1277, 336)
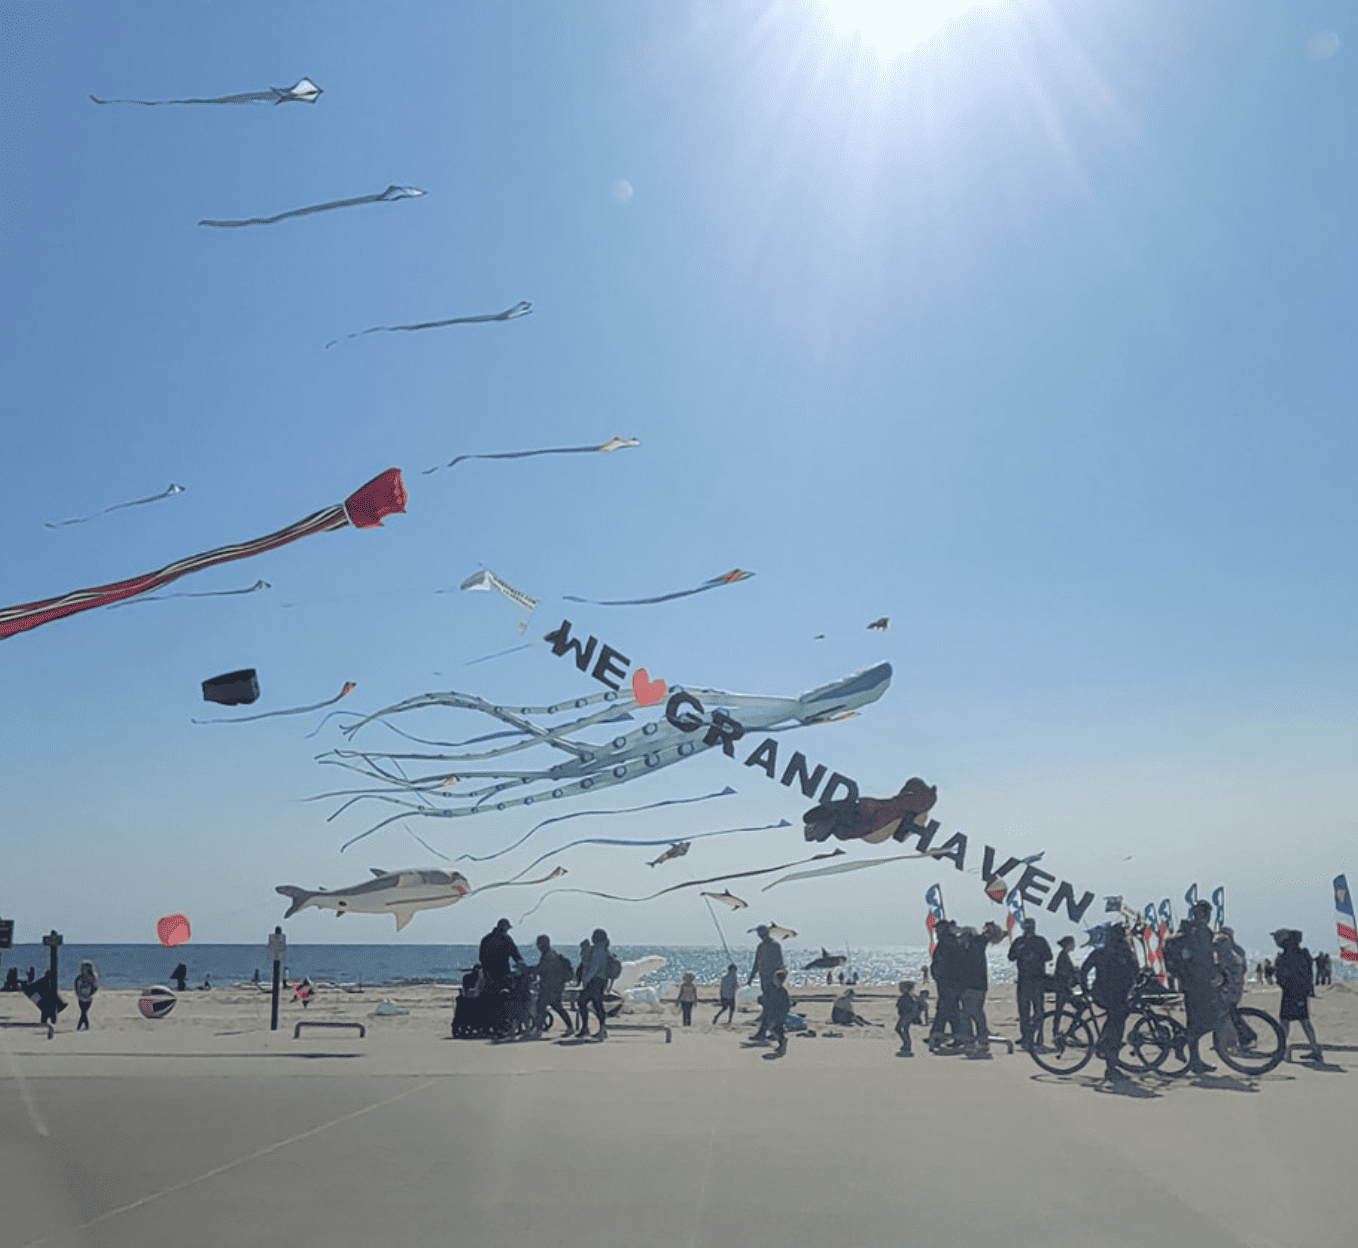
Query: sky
(1022, 323)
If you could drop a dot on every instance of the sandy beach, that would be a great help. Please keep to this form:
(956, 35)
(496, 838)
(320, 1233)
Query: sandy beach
(206, 1127)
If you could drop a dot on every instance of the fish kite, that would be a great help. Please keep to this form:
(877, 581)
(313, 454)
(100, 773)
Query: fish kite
(827, 961)
(522, 308)
(486, 580)
(613, 444)
(386, 197)
(364, 509)
(872, 819)
(729, 898)
(304, 92)
(214, 593)
(778, 933)
(678, 729)
(726, 578)
(349, 687)
(676, 850)
(400, 893)
(136, 502)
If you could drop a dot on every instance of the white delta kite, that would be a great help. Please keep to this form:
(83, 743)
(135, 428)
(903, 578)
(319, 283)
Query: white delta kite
(399, 893)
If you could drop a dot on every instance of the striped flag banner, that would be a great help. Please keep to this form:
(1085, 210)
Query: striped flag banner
(933, 898)
(1343, 918)
(1016, 916)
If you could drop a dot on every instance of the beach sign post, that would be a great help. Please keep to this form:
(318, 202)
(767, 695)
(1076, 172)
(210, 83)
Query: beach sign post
(6, 934)
(53, 941)
(278, 948)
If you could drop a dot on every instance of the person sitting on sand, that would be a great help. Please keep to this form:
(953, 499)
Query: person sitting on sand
(842, 1012)
(688, 997)
(907, 1012)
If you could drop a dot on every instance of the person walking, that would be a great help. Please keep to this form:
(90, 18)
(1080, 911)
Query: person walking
(768, 961)
(86, 985)
(1031, 954)
(553, 971)
(727, 994)
(1293, 971)
(593, 980)
(907, 1012)
(776, 1006)
(974, 980)
(688, 998)
(1114, 968)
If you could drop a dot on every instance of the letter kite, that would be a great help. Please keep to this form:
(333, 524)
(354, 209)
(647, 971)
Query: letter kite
(391, 193)
(305, 92)
(384, 495)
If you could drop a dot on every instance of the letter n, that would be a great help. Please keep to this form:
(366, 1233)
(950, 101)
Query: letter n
(1075, 910)
(797, 769)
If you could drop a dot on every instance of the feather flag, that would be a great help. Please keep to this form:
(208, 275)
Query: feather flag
(1191, 897)
(1016, 916)
(1219, 901)
(933, 898)
(1155, 941)
(1343, 918)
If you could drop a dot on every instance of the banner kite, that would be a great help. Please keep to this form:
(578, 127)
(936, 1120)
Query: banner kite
(486, 580)
(1344, 921)
(364, 509)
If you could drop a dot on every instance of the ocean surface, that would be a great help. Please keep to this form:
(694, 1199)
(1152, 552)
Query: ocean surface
(134, 966)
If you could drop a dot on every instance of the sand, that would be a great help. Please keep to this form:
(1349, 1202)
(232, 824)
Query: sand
(205, 1128)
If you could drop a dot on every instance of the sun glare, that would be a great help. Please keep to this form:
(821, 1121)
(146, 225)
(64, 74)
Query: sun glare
(895, 27)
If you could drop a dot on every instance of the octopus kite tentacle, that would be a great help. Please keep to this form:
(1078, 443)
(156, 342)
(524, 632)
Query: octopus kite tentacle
(349, 687)
(522, 308)
(387, 196)
(136, 502)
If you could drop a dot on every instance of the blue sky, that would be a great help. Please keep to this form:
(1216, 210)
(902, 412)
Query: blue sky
(1033, 337)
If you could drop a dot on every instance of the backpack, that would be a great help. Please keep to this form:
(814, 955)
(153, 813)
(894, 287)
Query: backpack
(613, 968)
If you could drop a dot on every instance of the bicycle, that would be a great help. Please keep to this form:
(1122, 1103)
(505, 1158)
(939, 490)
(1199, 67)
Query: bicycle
(1259, 1049)
(1148, 1039)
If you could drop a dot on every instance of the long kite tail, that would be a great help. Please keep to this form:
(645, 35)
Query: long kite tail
(382, 496)
(213, 593)
(522, 308)
(349, 687)
(613, 444)
(726, 578)
(391, 193)
(136, 502)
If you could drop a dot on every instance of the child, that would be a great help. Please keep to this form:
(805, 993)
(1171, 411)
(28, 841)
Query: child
(728, 995)
(688, 997)
(776, 1006)
(907, 1012)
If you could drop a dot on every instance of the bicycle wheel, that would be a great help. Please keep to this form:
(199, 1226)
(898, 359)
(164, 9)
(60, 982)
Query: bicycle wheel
(1069, 1046)
(1148, 1043)
(1267, 1050)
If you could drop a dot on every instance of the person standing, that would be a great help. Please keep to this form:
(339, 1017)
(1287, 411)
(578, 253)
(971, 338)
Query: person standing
(1232, 966)
(86, 985)
(728, 994)
(907, 1012)
(687, 998)
(1268, 971)
(496, 952)
(1292, 970)
(593, 981)
(1031, 953)
(552, 971)
(1114, 967)
(768, 961)
(946, 969)
(180, 976)
(776, 1006)
(974, 980)
(1065, 977)
(1191, 951)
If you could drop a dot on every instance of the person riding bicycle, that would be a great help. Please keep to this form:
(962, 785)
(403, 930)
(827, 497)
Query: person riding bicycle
(1114, 967)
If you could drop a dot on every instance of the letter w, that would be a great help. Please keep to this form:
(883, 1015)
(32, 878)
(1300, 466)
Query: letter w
(562, 641)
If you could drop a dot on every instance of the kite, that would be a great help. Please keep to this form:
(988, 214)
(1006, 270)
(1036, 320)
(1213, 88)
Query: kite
(872, 819)
(399, 893)
(216, 593)
(676, 850)
(729, 898)
(304, 92)
(841, 868)
(232, 689)
(386, 197)
(672, 736)
(613, 444)
(881, 624)
(522, 308)
(716, 879)
(364, 509)
(349, 687)
(827, 961)
(604, 840)
(778, 933)
(172, 930)
(726, 578)
(486, 580)
(136, 502)
(728, 791)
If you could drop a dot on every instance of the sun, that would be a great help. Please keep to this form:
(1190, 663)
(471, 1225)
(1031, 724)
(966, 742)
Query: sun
(894, 27)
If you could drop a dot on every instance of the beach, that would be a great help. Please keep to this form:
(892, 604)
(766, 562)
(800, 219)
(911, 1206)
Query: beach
(207, 1127)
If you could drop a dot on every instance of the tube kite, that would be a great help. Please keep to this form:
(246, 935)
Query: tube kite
(349, 687)
(613, 444)
(522, 308)
(726, 578)
(304, 92)
(387, 196)
(136, 502)
(364, 509)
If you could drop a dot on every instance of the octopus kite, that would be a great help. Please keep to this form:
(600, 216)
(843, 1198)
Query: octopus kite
(872, 819)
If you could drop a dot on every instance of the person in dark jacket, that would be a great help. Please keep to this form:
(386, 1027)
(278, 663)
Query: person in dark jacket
(497, 951)
(552, 971)
(1293, 971)
(1065, 978)
(180, 976)
(974, 982)
(776, 1006)
(1114, 968)
(946, 969)
(1191, 952)
(1031, 954)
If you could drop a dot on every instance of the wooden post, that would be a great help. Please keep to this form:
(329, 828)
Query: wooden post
(278, 947)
